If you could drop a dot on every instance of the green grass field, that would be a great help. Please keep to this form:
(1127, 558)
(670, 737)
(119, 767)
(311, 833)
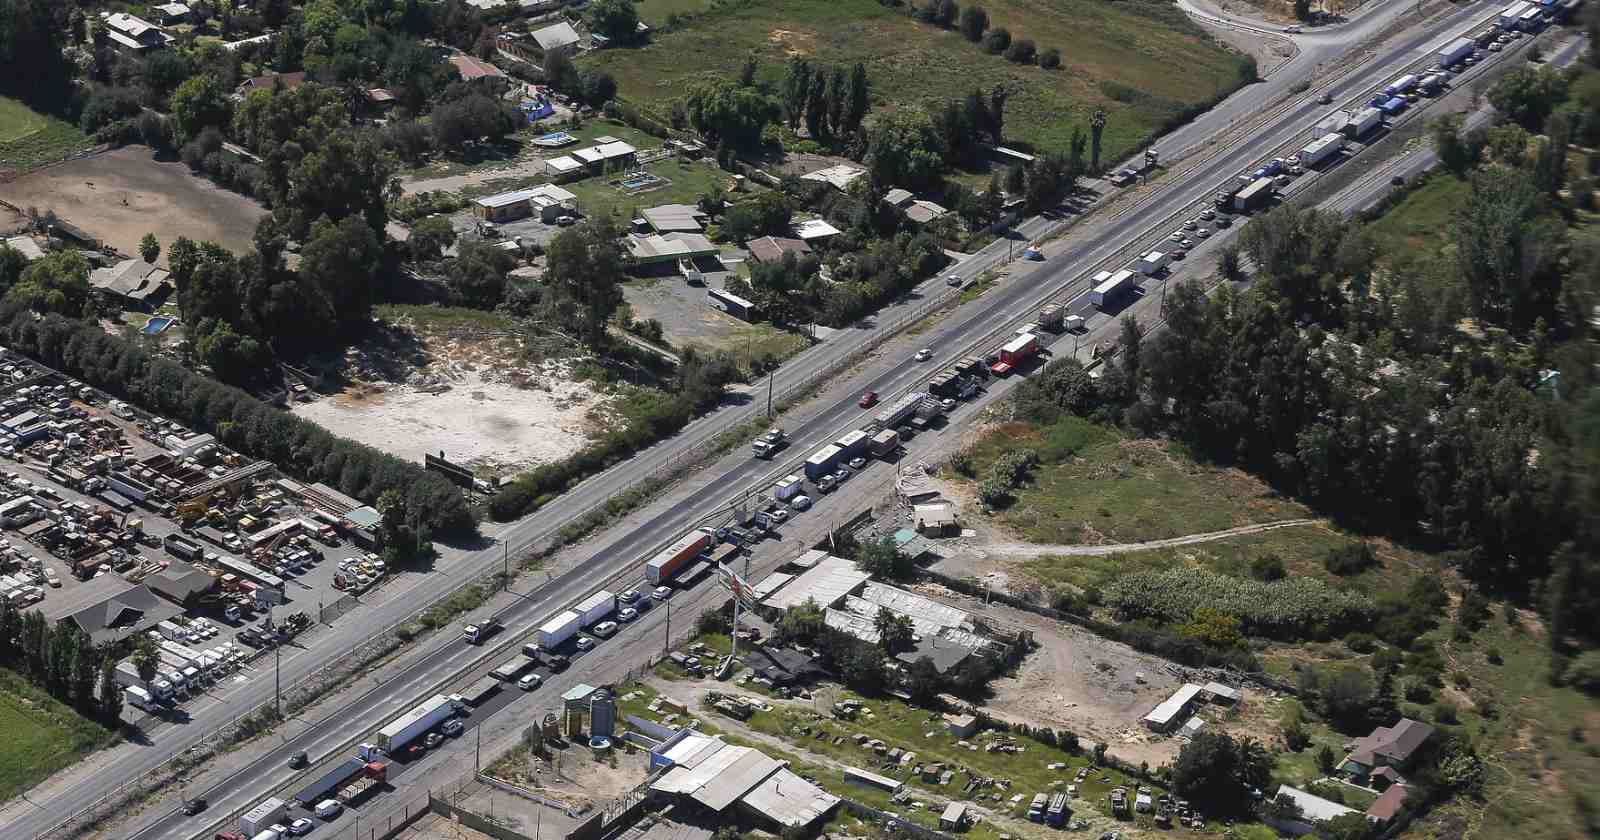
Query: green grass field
(1096, 487)
(29, 139)
(41, 736)
(1418, 228)
(688, 180)
(1141, 61)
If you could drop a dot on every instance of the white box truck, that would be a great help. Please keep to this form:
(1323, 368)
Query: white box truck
(597, 607)
(1109, 288)
(1151, 263)
(558, 629)
(1510, 15)
(140, 699)
(261, 817)
(425, 716)
(788, 487)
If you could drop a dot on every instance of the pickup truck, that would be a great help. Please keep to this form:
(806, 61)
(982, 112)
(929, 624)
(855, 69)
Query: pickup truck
(768, 444)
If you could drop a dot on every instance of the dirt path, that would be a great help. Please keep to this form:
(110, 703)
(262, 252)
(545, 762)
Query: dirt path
(1017, 549)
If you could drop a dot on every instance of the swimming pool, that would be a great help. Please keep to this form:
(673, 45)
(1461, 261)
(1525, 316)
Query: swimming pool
(555, 138)
(640, 181)
(157, 325)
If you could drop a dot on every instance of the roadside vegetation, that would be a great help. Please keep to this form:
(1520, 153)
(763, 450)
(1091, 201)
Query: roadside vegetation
(43, 734)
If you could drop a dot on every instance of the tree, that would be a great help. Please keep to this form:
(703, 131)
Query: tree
(149, 248)
(57, 282)
(1325, 759)
(723, 111)
(895, 632)
(1302, 9)
(923, 680)
(1527, 95)
(12, 264)
(1097, 127)
(940, 13)
(904, 148)
(342, 259)
(796, 91)
(615, 19)
(747, 72)
(882, 558)
(974, 20)
(430, 237)
(838, 94)
(1455, 155)
(200, 102)
(859, 101)
(1267, 568)
(1216, 769)
(1505, 251)
(997, 40)
(145, 657)
(1050, 59)
(1021, 51)
(1550, 165)
(1353, 826)
(997, 113)
(586, 270)
(817, 106)
(598, 88)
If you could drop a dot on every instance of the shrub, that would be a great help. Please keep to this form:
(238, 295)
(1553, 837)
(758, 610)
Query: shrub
(1445, 713)
(1267, 568)
(1584, 672)
(997, 40)
(1418, 691)
(1349, 559)
(1282, 609)
(1361, 642)
(1050, 59)
(1021, 51)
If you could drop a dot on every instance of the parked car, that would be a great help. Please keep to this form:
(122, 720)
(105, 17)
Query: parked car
(948, 404)
(662, 593)
(433, 740)
(857, 463)
(1178, 253)
(452, 727)
(1203, 233)
(1208, 214)
(605, 629)
(530, 682)
(778, 516)
(585, 643)
(301, 827)
(800, 502)
(627, 614)
(327, 809)
(1191, 224)
(629, 597)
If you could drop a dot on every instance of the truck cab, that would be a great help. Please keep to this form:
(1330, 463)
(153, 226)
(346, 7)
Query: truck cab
(768, 444)
(476, 632)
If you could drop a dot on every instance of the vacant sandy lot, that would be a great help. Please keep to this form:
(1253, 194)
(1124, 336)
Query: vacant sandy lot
(478, 421)
(121, 195)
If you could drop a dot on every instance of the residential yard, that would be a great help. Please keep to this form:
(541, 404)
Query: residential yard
(1144, 62)
(687, 180)
(29, 139)
(1094, 486)
(42, 736)
(515, 163)
(686, 320)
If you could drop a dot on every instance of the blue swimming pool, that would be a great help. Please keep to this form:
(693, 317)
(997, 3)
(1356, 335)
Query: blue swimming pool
(157, 325)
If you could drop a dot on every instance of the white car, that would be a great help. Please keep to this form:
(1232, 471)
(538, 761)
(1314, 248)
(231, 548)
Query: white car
(1208, 214)
(1191, 224)
(530, 682)
(301, 827)
(857, 463)
(778, 515)
(662, 593)
(953, 280)
(800, 502)
(627, 614)
(584, 643)
(453, 728)
(1177, 236)
(1203, 233)
(327, 809)
(1292, 29)
(924, 354)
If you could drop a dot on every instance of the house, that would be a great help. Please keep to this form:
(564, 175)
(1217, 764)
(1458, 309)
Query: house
(705, 775)
(1313, 809)
(25, 245)
(560, 38)
(1388, 805)
(123, 614)
(563, 168)
(271, 81)
(548, 201)
(815, 230)
(1387, 746)
(839, 177)
(674, 218)
(131, 35)
(132, 283)
(471, 68)
(922, 212)
(771, 249)
(954, 816)
(171, 14)
(898, 198)
(610, 154)
(1162, 717)
(669, 247)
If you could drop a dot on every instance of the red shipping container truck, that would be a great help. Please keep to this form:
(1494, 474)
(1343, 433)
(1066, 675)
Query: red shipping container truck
(660, 568)
(1015, 352)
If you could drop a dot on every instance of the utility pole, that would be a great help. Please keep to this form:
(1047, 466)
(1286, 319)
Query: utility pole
(477, 752)
(770, 375)
(505, 575)
(666, 641)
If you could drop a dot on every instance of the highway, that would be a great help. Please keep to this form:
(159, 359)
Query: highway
(1091, 242)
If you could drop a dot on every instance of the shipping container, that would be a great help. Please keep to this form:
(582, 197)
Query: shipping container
(330, 782)
(1015, 352)
(597, 607)
(885, 443)
(1458, 49)
(1109, 287)
(1050, 317)
(852, 443)
(181, 548)
(661, 567)
(559, 628)
(481, 690)
(423, 717)
(1363, 122)
(788, 487)
(822, 462)
(1151, 263)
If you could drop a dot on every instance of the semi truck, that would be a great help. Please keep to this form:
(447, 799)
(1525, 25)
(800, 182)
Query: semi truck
(852, 444)
(1363, 122)
(1458, 49)
(182, 549)
(1401, 85)
(336, 778)
(558, 628)
(357, 790)
(822, 461)
(901, 409)
(1014, 352)
(1050, 317)
(1511, 14)
(1253, 197)
(511, 669)
(262, 816)
(660, 568)
(127, 676)
(1151, 263)
(423, 717)
(1109, 286)
(885, 443)
(1485, 36)
(1321, 149)
(597, 607)
(475, 632)
(1393, 106)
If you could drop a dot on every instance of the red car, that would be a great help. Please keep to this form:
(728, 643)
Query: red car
(868, 400)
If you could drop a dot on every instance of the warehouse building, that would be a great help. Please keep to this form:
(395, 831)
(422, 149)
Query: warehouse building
(1163, 717)
(706, 773)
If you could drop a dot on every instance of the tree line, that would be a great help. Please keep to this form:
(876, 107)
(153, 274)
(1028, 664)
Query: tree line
(238, 420)
(973, 23)
(62, 661)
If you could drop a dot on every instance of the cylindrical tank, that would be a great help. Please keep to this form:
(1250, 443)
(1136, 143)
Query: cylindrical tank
(602, 714)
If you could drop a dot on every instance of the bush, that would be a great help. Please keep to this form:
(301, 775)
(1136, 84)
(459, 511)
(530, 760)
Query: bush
(1349, 559)
(1021, 51)
(1361, 642)
(1418, 691)
(1050, 59)
(1283, 609)
(1584, 672)
(1268, 568)
(1445, 713)
(997, 40)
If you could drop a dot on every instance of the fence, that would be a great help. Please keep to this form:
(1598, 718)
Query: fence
(895, 823)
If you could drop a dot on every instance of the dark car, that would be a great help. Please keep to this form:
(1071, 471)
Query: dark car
(868, 399)
(193, 806)
(298, 760)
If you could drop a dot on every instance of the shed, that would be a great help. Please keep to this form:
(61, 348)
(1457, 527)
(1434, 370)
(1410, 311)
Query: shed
(961, 726)
(1162, 717)
(674, 218)
(813, 230)
(565, 166)
(25, 245)
(560, 38)
(954, 816)
(937, 520)
(839, 177)
(1222, 694)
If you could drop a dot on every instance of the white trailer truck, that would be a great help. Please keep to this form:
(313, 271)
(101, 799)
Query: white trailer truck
(558, 629)
(1321, 149)
(425, 716)
(597, 607)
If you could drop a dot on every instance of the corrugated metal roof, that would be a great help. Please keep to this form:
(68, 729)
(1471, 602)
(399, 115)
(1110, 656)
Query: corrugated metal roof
(789, 800)
(719, 779)
(1174, 705)
(692, 750)
(827, 582)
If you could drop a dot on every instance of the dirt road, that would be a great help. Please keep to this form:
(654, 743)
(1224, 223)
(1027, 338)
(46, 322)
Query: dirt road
(1019, 549)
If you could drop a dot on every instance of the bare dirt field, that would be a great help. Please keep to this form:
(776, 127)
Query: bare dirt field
(121, 195)
(470, 399)
(686, 319)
